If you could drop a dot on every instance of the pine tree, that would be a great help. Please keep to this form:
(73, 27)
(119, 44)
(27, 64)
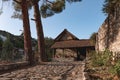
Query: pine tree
(93, 38)
(1, 43)
(39, 28)
(109, 6)
(7, 51)
(51, 7)
(27, 33)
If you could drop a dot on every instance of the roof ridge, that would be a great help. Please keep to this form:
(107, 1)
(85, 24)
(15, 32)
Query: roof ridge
(65, 31)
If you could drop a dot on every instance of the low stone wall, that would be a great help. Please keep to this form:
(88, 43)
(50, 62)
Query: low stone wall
(11, 66)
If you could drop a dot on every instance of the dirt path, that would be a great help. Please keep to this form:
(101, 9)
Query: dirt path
(49, 71)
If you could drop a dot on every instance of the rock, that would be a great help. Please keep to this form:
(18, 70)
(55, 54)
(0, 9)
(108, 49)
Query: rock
(6, 74)
(55, 78)
(21, 75)
(5, 79)
(109, 33)
(73, 74)
(43, 79)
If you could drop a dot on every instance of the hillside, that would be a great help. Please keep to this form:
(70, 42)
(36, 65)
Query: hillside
(17, 40)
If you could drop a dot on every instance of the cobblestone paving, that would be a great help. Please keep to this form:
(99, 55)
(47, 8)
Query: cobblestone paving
(48, 71)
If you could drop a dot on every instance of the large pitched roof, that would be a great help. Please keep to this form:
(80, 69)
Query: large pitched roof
(73, 44)
(68, 40)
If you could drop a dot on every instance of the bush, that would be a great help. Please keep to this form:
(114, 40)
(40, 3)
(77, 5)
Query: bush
(116, 68)
(101, 58)
(97, 60)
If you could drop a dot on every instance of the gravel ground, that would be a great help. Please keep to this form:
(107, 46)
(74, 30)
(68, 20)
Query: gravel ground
(49, 71)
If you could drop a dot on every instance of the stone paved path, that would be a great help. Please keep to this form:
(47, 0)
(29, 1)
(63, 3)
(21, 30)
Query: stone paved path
(49, 71)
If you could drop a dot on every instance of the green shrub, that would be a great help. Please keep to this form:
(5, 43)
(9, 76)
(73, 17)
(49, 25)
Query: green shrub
(97, 60)
(101, 58)
(116, 68)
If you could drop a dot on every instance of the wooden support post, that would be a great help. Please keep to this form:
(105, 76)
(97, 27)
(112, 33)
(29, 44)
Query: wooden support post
(63, 53)
(54, 51)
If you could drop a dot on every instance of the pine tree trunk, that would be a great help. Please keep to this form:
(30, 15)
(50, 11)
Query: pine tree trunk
(40, 34)
(27, 33)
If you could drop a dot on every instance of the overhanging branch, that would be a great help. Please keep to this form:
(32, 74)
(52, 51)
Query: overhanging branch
(33, 19)
(17, 1)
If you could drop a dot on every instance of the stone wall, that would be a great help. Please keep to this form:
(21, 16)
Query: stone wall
(12, 66)
(66, 54)
(108, 36)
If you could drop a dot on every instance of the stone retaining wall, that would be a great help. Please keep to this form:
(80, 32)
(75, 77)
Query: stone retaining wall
(11, 66)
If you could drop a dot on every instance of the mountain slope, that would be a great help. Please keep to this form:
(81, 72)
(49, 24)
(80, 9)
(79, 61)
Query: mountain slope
(18, 41)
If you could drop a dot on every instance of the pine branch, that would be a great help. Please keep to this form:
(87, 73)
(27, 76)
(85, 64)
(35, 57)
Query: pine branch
(33, 19)
(49, 1)
(17, 1)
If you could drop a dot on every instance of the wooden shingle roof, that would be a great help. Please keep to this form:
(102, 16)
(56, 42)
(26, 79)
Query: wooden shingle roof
(67, 34)
(68, 40)
(72, 44)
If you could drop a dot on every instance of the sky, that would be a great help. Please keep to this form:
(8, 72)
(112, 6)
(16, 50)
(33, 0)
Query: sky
(81, 19)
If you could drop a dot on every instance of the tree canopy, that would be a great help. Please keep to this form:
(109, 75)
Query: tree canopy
(7, 51)
(47, 7)
(109, 6)
(93, 38)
